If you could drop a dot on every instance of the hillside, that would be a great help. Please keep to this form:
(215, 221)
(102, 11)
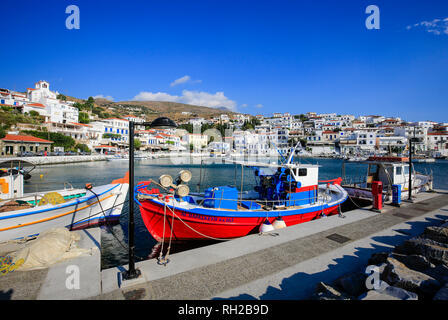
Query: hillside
(154, 109)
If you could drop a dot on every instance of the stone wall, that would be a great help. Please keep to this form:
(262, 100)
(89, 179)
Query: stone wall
(414, 270)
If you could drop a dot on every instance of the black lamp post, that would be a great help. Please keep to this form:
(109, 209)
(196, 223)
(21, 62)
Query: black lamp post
(159, 123)
(411, 150)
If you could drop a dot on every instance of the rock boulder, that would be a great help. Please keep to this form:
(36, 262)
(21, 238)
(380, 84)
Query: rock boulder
(326, 292)
(398, 275)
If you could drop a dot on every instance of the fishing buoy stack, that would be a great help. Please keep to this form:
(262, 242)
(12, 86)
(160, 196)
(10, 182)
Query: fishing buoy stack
(266, 226)
(279, 223)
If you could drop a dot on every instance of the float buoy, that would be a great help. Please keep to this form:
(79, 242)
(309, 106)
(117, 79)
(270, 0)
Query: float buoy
(279, 223)
(266, 227)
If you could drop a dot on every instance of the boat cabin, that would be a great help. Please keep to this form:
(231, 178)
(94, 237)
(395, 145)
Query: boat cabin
(291, 186)
(13, 173)
(389, 170)
(11, 185)
(276, 185)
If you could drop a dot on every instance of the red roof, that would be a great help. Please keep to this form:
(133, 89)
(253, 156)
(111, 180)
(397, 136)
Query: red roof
(105, 147)
(81, 124)
(438, 133)
(15, 137)
(117, 119)
(39, 105)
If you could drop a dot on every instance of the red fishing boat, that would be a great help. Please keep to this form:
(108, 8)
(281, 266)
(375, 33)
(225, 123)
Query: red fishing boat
(285, 194)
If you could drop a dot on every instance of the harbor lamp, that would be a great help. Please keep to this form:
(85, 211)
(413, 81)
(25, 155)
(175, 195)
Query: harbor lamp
(159, 123)
(411, 150)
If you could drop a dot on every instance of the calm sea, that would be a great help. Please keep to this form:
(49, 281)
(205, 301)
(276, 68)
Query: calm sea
(114, 238)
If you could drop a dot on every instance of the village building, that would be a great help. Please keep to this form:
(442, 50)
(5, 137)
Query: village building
(12, 144)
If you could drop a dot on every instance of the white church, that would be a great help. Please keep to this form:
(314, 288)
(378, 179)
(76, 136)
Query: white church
(45, 102)
(42, 100)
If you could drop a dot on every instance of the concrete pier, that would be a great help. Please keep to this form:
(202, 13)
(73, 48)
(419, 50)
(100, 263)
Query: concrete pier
(55, 282)
(285, 265)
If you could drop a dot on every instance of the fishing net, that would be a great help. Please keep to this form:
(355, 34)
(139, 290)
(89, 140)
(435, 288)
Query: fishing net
(51, 198)
(52, 246)
(14, 206)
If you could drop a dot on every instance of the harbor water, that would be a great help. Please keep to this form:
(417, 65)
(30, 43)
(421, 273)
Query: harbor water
(206, 173)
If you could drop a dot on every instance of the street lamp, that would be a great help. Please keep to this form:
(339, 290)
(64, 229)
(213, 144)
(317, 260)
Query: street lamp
(159, 123)
(411, 150)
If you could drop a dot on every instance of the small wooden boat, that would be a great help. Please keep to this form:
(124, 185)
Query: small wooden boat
(27, 215)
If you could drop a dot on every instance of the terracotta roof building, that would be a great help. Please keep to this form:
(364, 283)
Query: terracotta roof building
(12, 144)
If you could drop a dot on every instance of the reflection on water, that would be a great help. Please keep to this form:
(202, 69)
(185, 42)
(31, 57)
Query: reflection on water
(114, 238)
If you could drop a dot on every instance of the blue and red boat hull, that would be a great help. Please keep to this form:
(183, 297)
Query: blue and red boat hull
(206, 224)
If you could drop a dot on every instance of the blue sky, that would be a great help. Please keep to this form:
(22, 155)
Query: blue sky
(252, 56)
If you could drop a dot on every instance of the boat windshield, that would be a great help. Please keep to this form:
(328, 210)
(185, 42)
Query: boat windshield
(406, 170)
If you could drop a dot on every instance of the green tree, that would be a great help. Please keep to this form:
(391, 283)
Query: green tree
(82, 147)
(111, 135)
(79, 106)
(61, 97)
(59, 140)
(137, 144)
(187, 126)
(2, 132)
(34, 114)
(90, 103)
(84, 117)
(247, 126)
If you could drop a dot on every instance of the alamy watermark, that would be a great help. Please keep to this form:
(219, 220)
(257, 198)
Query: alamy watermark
(373, 20)
(72, 281)
(73, 20)
(373, 281)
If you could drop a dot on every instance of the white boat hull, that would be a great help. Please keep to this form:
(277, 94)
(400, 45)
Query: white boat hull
(74, 214)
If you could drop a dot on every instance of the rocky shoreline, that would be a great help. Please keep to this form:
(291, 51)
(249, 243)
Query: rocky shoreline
(415, 270)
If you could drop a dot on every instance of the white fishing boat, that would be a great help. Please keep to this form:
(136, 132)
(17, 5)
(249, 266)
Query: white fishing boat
(27, 215)
(119, 157)
(424, 160)
(389, 171)
(357, 159)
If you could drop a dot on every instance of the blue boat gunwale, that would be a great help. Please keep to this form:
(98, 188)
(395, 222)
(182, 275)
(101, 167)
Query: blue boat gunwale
(75, 202)
(251, 213)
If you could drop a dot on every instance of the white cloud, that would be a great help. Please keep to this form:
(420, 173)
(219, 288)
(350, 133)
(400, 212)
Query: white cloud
(259, 105)
(244, 105)
(159, 96)
(100, 96)
(211, 100)
(436, 26)
(184, 79)
(206, 99)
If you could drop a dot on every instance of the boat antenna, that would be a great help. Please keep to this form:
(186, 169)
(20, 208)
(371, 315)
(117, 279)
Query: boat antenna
(279, 152)
(293, 150)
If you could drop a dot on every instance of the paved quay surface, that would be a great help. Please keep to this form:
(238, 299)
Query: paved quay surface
(50, 283)
(287, 266)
